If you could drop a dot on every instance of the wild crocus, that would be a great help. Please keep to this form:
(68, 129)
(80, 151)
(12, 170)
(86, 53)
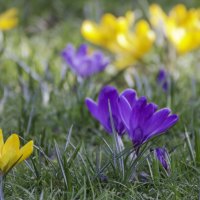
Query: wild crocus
(162, 156)
(128, 41)
(9, 19)
(180, 26)
(143, 121)
(83, 63)
(105, 33)
(11, 154)
(101, 112)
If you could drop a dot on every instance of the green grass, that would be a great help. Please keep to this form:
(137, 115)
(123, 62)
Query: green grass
(73, 156)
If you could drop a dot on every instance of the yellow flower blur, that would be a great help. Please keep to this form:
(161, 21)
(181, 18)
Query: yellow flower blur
(11, 153)
(181, 26)
(118, 35)
(9, 19)
(104, 33)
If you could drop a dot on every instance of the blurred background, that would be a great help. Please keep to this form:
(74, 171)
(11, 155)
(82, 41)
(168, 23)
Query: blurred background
(48, 13)
(31, 63)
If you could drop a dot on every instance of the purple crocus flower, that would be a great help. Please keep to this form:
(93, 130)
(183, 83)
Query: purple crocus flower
(143, 121)
(82, 63)
(100, 110)
(162, 156)
(162, 79)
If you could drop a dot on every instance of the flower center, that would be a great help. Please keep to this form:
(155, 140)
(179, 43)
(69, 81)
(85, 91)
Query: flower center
(138, 136)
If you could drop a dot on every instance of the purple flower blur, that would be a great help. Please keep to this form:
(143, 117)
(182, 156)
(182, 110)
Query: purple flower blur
(162, 79)
(100, 110)
(143, 121)
(162, 156)
(82, 63)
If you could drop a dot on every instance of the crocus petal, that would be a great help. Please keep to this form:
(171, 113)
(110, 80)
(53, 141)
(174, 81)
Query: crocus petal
(125, 110)
(148, 111)
(10, 152)
(137, 112)
(136, 132)
(68, 54)
(100, 111)
(1, 141)
(70, 50)
(108, 94)
(26, 151)
(82, 50)
(106, 109)
(12, 143)
(130, 95)
(168, 123)
(155, 121)
(92, 107)
(99, 58)
(10, 159)
(91, 32)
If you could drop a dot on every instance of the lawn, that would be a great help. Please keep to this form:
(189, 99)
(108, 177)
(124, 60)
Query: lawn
(99, 151)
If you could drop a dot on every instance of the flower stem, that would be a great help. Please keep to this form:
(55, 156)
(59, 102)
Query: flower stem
(1, 188)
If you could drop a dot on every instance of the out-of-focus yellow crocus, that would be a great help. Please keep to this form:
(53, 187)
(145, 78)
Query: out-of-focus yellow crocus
(9, 19)
(103, 34)
(181, 26)
(11, 153)
(119, 35)
(133, 45)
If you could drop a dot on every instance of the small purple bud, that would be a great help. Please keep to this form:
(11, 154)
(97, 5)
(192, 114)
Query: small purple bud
(162, 79)
(162, 156)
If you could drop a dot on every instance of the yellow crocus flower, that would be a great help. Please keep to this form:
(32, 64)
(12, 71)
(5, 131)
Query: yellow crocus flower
(9, 19)
(181, 26)
(102, 34)
(120, 36)
(134, 44)
(11, 153)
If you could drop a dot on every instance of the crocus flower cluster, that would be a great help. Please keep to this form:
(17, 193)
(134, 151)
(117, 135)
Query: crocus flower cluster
(11, 154)
(128, 41)
(82, 63)
(134, 115)
(180, 26)
(9, 19)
